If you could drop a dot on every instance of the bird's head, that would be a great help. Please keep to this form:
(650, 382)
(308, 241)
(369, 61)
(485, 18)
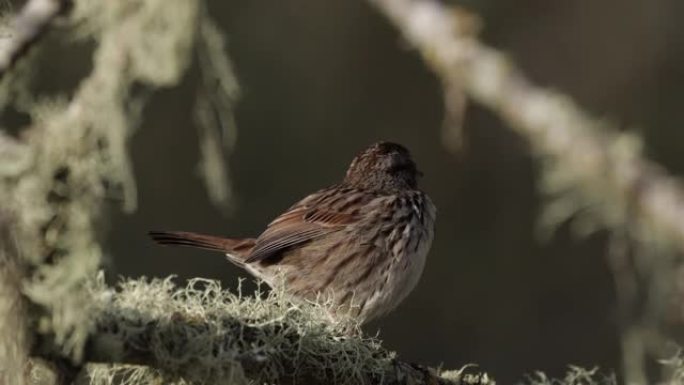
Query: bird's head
(383, 166)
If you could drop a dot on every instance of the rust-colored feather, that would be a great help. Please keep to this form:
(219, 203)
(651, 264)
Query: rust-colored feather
(299, 225)
(239, 247)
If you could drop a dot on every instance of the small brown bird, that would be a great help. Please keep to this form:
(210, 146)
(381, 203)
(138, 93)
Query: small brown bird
(360, 244)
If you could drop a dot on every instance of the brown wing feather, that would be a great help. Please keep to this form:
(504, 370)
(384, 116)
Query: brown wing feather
(299, 225)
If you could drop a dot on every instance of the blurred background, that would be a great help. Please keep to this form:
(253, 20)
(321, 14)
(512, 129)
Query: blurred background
(323, 79)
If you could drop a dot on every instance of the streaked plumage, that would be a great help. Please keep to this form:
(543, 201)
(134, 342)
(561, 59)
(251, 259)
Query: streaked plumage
(361, 244)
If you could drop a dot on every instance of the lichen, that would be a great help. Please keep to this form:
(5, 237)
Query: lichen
(214, 111)
(575, 375)
(203, 334)
(73, 155)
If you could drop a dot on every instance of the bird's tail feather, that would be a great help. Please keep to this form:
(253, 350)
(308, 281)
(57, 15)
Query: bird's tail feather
(237, 247)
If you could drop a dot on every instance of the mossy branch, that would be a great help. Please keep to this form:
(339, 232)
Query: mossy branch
(203, 334)
(603, 167)
(15, 331)
(593, 172)
(32, 22)
(57, 172)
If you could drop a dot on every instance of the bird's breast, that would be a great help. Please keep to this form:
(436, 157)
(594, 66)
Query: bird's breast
(405, 251)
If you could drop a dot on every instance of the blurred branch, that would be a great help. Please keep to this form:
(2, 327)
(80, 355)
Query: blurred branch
(214, 110)
(605, 164)
(591, 168)
(29, 25)
(56, 176)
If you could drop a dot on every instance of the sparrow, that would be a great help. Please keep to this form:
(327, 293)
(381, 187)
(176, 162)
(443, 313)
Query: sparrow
(359, 246)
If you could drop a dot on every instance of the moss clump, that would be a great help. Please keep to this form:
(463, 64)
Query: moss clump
(574, 376)
(202, 334)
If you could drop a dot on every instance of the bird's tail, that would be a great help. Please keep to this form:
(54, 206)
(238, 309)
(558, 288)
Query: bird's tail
(236, 247)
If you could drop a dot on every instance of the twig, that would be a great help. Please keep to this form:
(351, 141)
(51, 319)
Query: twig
(29, 26)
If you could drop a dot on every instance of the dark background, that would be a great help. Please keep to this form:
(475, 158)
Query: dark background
(323, 79)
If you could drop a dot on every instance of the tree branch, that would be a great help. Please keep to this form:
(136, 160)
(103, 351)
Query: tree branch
(135, 349)
(599, 163)
(14, 327)
(204, 334)
(29, 26)
(590, 166)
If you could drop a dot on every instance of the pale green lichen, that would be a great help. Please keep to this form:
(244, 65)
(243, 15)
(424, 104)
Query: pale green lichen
(74, 154)
(466, 375)
(214, 111)
(14, 332)
(80, 156)
(203, 334)
(574, 376)
(674, 369)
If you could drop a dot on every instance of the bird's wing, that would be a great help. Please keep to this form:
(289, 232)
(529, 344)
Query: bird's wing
(309, 219)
